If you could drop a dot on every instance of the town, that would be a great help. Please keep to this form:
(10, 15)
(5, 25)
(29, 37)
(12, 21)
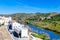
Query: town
(29, 19)
(15, 30)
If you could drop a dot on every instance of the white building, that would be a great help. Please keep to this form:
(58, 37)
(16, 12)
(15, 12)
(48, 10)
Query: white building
(1, 21)
(19, 28)
(24, 33)
(5, 20)
(16, 27)
(48, 17)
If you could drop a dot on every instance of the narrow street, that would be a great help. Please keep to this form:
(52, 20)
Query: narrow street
(4, 34)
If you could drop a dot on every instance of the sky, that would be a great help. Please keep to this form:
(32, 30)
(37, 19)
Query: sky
(29, 6)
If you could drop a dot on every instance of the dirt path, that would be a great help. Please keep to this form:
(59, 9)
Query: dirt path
(4, 35)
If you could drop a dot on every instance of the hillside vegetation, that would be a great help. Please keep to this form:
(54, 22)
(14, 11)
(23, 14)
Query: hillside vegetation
(47, 21)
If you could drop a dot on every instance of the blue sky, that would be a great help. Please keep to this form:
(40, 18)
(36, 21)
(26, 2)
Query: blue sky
(29, 6)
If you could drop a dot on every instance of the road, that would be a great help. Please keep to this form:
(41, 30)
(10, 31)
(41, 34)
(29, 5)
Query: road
(4, 34)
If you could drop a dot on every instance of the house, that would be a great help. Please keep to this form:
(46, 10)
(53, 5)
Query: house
(5, 20)
(20, 29)
(24, 33)
(1, 21)
(48, 17)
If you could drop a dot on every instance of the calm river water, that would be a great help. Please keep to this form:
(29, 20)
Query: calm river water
(52, 35)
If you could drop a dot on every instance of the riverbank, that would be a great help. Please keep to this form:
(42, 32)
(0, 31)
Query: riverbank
(47, 26)
(50, 29)
(56, 32)
(52, 35)
(42, 36)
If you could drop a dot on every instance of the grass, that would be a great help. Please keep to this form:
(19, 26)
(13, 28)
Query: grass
(42, 36)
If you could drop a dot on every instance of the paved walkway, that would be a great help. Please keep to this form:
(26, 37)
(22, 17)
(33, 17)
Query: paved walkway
(4, 34)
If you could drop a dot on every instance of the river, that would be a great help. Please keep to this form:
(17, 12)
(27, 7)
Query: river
(52, 35)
